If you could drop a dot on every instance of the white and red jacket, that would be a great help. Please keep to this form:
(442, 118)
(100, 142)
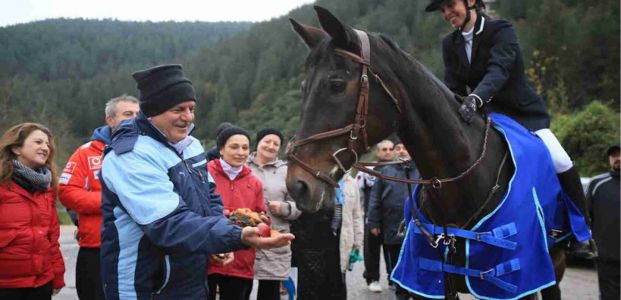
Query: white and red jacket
(80, 189)
(245, 191)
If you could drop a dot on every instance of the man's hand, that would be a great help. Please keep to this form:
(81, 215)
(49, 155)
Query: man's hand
(223, 258)
(56, 291)
(469, 107)
(251, 237)
(376, 231)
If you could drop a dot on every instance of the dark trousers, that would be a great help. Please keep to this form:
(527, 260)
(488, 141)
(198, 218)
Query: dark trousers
(372, 252)
(608, 276)
(43, 292)
(268, 290)
(88, 275)
(229, 287)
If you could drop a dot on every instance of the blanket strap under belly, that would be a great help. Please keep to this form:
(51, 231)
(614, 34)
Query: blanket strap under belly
(495, 237)
(490, 275)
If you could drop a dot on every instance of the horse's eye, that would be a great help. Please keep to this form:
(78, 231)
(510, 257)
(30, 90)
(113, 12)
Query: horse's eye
(337, 85)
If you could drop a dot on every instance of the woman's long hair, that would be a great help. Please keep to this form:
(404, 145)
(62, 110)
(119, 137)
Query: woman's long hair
(15, 137)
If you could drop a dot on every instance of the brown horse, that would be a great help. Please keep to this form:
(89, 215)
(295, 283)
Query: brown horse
(356, 93)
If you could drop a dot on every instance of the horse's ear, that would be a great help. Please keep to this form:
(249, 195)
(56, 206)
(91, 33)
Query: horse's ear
(311, 35)
(342, 35)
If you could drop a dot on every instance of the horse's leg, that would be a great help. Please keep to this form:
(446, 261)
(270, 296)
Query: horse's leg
(558, 259)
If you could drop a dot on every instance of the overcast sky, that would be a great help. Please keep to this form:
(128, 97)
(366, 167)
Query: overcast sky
(23, 11)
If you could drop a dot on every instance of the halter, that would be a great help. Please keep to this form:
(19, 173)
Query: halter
(356, 130)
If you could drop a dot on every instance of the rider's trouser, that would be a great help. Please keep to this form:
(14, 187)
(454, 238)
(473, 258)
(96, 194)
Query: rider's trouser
(564, 167)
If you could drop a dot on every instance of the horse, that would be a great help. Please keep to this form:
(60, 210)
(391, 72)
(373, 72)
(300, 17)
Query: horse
(361, 87)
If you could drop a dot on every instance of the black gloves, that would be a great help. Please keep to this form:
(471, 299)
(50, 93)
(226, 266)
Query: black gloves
(468, 107)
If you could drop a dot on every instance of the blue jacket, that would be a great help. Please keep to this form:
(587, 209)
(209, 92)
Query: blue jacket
(387, 200)
(495, 74)
(162, 217)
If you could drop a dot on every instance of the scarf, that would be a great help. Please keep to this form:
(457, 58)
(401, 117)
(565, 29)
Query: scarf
(31, 179)
(229, 170)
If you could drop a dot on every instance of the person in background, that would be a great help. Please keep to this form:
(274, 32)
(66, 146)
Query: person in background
(271, 266)
(386, 206)
(80, 191)
(604, 198)
(31, 265)
(162, 218)
(373, 243)
(352, 224)
(214, 153)
(239, 188)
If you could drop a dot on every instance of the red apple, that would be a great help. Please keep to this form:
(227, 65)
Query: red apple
(264, 229)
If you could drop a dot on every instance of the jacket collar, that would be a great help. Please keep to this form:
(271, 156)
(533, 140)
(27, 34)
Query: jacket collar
(277, 163)
(218, 167)
(459, 41)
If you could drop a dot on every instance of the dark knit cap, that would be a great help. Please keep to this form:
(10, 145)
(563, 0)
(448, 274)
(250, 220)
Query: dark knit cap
(163, 87)
(266, 131)
(612, 149)
(229, 132)
(221, 127)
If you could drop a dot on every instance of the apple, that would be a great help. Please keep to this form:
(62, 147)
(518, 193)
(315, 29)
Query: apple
(226, 212)
(264, 229)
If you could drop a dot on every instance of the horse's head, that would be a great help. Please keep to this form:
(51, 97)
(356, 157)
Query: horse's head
(346, 108)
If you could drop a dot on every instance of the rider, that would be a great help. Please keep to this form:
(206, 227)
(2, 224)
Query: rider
(483, 63)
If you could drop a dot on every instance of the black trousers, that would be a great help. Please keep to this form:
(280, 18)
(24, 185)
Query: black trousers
(43, 292)
(88, 275)
(372, 253)
(229, 287)
(268, 290)
(391, 254)
(608, 276)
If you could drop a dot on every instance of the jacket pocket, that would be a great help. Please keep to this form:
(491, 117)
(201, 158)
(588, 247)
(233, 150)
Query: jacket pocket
(165, 279)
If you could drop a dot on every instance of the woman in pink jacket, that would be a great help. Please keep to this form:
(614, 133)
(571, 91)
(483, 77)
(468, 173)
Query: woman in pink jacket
(31, 265)
(239, 188)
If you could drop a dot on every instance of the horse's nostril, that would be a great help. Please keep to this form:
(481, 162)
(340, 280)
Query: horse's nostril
(301, 187)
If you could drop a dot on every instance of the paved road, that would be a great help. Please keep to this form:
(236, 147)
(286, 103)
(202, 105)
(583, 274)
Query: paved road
(580, 281)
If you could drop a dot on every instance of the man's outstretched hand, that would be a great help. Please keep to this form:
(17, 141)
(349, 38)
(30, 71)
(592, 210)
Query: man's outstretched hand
(251, 237)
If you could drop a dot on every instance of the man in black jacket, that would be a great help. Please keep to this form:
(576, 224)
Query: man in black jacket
(386, 209)
(603, 197)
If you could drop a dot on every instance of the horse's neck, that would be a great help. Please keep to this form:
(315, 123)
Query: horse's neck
(442, 145)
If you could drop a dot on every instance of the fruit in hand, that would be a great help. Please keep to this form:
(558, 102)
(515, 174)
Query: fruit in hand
(264, 229)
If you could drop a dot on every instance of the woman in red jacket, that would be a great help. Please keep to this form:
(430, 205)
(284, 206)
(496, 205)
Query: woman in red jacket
(31, 265)
(239, 188)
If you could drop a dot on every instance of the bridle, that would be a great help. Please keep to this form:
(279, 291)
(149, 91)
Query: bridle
(357, 130)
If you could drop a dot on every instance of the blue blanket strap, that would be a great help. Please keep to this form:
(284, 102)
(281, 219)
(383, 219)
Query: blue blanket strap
(496, 237)
(490, 275)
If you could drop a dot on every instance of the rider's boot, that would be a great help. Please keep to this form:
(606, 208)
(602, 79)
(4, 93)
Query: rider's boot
(572, 186)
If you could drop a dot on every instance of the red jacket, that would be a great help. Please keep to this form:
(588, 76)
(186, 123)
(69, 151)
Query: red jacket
(29, 230)
(80, 190)
(245, 191)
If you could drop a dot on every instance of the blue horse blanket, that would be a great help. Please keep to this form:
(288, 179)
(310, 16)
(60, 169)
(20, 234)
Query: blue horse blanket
(507, 250)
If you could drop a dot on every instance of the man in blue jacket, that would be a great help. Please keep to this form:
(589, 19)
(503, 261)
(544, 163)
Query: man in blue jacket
(162, 217)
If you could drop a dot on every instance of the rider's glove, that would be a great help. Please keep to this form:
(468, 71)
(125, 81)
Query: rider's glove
(469, 106)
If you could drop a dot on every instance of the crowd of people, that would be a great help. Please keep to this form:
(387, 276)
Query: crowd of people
(151, 203)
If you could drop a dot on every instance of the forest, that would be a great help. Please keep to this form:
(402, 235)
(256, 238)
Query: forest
(60, 72)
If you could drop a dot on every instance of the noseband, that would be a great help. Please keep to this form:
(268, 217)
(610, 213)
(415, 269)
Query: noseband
(356, 130)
